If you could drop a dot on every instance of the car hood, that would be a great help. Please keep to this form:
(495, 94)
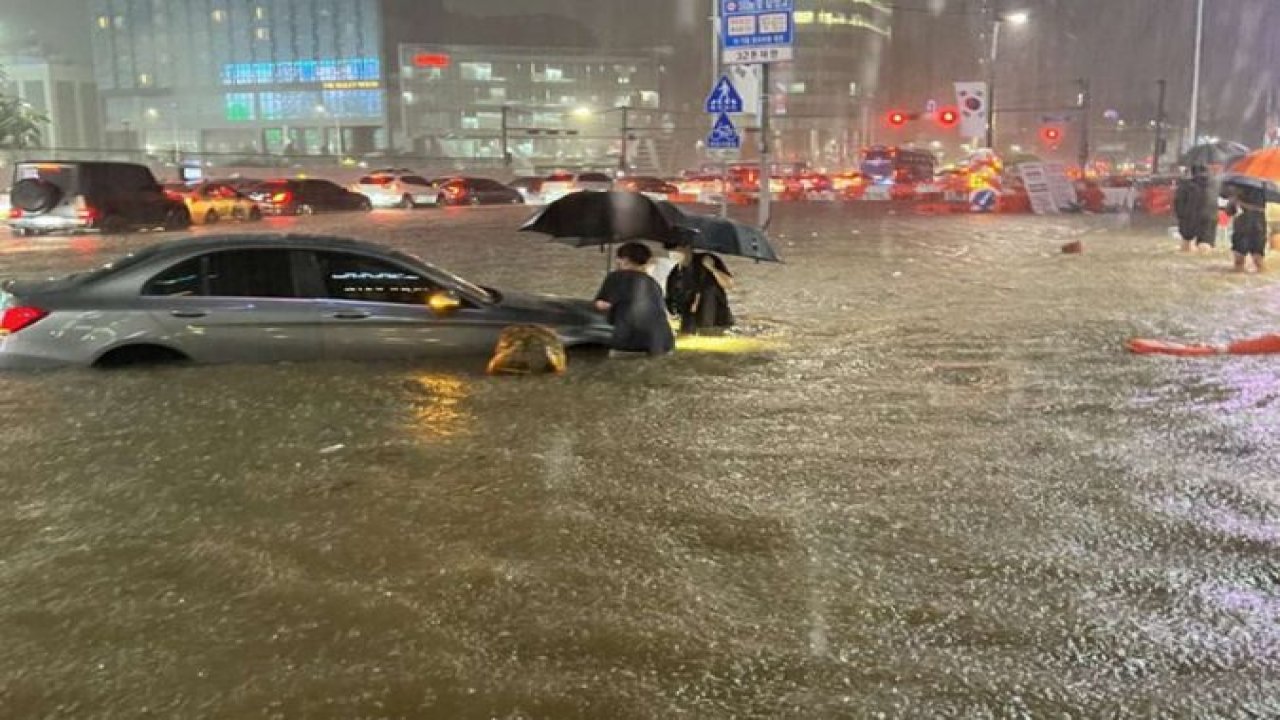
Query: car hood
(561, 309)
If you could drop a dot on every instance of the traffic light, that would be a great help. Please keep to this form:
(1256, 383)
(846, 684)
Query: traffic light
(1051, 135)
(948, 117)
(897, 118)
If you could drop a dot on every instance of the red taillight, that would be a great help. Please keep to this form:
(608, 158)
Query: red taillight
(15, 318)
(87, 215)
(15, 213)
(455, 191)
(282, 198)
(174, 196)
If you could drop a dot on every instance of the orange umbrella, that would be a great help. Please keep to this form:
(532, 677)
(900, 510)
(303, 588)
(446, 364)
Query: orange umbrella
(1260, 164)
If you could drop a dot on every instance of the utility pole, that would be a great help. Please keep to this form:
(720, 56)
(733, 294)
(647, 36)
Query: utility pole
(623, 166)
(506, 148)
(1085, 102)
(715, 77)
(766, 192)
(1195, 77)
(1159, 149)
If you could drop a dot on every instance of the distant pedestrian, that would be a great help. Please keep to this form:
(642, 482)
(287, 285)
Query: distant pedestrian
(697, 291)
(634, 304)
(1249, 229)
(1195, 205)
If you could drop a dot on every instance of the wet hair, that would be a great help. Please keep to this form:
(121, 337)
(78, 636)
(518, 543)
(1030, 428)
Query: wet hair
(638, 253)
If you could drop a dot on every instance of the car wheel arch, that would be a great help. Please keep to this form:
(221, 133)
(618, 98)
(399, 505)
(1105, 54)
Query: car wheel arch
(140, 353)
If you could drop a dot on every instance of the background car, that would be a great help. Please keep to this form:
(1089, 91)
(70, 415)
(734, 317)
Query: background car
(397, 188)
(652, 187)
(265, 298)
(211, 202)
(476, 191)
(113, 197)
(558, 185)
(530, 188)
(307, 197)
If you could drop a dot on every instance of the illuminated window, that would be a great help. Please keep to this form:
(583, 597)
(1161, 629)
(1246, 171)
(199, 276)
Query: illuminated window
(239, 107)
(104, 22)
(477, 71)
(260, 13)
(219, 15)
(797, 88)
(118, 21)
(144, 80)
(262, 33)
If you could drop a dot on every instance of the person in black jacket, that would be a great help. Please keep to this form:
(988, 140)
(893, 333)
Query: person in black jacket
(1249, 229)
(633, 301)
(697, 292)
(1196, 207)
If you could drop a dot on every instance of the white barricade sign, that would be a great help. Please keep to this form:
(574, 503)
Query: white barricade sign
(1060, 186)
(1037, 184)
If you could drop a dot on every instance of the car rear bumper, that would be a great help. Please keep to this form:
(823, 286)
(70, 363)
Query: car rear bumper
(49, 223)
(20, 361)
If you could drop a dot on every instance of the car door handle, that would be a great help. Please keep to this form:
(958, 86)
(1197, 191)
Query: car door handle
(188, 313)
(351, 315)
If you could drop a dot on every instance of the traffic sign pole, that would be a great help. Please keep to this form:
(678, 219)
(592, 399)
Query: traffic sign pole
(766, 191)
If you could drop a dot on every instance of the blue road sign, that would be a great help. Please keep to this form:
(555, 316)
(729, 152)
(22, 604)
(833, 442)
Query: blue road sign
(724, 98)
(758, 31)
(724, 136)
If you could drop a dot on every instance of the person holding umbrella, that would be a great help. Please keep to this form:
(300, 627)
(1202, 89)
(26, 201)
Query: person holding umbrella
(634, 304)
(1197, 211)
(697, 291)
(1249, 229)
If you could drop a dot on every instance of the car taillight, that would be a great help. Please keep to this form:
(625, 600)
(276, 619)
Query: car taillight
(173, 196)
(87, 214)
(15, 213)
(16, 318)
(282, 198)
(455, 191)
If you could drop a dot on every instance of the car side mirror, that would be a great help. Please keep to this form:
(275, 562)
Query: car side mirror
(444, 302)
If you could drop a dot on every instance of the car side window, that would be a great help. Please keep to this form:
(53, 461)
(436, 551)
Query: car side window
(251, 273)
(356, 277)
(414, 180)
(180, 280)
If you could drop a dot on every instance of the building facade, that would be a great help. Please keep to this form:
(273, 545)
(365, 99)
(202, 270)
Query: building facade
(542, 106)
(240, 77)
(823, 102)
(61, 91)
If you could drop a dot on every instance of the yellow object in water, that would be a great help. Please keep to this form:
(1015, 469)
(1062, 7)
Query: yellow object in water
(528, 350)
(726, 344)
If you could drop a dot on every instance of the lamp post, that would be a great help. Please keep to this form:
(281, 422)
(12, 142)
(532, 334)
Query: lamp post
(586, 113)
(1194, 122)
(323, 111)
(1013, 18)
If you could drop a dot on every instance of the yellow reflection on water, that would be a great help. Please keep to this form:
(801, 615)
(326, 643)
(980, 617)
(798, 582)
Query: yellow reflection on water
(439, 412)
(726, 344)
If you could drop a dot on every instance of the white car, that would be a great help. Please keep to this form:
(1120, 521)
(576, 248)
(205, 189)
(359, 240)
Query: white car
(396, 189)
(557, 186)
(530, 188)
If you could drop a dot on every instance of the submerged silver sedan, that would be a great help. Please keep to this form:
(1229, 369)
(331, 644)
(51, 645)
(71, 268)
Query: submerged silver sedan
(269, 298)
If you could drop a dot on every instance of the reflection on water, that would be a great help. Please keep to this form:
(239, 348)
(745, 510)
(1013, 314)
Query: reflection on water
(932, 484)
(438, 410)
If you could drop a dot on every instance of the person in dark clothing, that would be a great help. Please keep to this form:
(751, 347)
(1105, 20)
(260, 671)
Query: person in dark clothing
(1196, 208)
(633, 301)
(696, 291)
(1249, 229)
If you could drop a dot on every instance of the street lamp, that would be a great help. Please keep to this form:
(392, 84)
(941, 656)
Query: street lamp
(584, 112)
(322, 111)
(1019, 17)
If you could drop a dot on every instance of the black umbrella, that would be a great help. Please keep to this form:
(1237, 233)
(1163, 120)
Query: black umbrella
(584, 219)
(1267, 187)
(1214, 153)
(724, 236)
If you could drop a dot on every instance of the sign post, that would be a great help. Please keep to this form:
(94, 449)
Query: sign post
(759, 31)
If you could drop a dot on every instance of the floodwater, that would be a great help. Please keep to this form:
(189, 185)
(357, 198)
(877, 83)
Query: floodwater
(925, 481)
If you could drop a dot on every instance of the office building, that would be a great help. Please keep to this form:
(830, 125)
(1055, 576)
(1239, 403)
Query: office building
(216, 76)
(545, 106)
(61, 91)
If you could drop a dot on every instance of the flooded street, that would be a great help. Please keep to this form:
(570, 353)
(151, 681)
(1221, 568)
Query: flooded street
(925, 480)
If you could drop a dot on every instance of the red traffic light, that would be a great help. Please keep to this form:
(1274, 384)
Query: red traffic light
(1051, 135)
(948, 117)
(898, 118)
